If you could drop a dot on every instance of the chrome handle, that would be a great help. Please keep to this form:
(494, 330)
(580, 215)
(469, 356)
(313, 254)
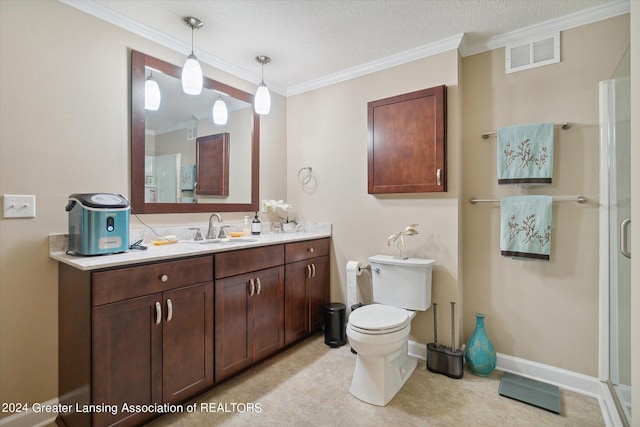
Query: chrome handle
(164, 278)
(313, 269)
(158, 313)
(169, 310)
(624, 244)
(259, 286)
(252, 287)
(308, 271)
(438, 175)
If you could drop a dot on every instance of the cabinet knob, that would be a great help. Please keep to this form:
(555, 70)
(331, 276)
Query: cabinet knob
(164, 278)
(310, 250)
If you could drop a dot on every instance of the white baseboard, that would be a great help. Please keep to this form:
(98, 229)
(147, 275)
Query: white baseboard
(563, 378)
(30, 418)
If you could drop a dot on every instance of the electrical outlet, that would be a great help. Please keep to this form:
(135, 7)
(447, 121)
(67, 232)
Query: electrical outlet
(16, 206)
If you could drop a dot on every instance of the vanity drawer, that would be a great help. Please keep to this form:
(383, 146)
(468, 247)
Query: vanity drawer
(306, 250)
(130, 282)
(247, 260)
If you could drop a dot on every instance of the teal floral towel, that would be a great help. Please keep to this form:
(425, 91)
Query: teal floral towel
(525, 154)
(525, 226)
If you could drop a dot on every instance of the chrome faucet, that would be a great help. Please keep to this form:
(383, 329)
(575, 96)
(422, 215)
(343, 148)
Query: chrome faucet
(210, 233)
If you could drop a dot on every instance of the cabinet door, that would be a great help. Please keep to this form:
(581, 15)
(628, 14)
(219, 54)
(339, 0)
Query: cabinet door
(187, 362)
(233, 340)
(296, 299)
(127, 358)
(268, 312)
(318, 292)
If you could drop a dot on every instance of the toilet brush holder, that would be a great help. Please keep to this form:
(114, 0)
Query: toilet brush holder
(445, 360)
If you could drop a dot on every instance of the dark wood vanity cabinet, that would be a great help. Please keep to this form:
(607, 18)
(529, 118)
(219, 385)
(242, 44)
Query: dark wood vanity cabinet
(306, 287)
(249, 307)
(138, 335)
(162, 332)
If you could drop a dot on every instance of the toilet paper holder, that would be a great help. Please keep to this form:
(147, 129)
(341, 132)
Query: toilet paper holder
(366, 267)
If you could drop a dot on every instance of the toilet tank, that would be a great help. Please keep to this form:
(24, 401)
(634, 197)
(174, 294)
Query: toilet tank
(403, 283)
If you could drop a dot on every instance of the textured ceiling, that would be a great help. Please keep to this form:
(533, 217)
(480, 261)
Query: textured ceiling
(311, 39)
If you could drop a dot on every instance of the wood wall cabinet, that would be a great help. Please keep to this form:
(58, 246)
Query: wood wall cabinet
(212, 165)
(306, 287)
(249, 307)
(137, 335)
(407, 143)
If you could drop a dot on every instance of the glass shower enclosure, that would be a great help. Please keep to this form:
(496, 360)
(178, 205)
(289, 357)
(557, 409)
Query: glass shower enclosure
(615, 229)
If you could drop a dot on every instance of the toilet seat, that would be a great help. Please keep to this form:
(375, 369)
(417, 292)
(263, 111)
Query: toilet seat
(376, 319)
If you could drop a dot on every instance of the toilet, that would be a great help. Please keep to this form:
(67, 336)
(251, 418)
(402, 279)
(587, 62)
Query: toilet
(379, 332)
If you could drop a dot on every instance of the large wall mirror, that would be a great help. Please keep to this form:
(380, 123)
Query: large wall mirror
(178, 144)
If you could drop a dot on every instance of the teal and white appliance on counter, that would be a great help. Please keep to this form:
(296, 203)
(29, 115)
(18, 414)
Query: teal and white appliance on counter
(98, 223)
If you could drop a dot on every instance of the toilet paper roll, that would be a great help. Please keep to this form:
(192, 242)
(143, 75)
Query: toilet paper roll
(353, 271)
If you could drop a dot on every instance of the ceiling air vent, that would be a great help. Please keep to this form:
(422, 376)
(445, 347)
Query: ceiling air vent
(533, 53)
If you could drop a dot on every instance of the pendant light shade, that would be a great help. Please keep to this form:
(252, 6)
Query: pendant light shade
(192, 76)
(151, 94)
(220, 113)
(192, 71)
(262, 100)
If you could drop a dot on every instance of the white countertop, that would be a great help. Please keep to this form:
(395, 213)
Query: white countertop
(178, 250)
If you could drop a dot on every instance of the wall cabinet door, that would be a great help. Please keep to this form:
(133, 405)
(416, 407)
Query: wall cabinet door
(127, 358)
(187, 345)
(249, 319)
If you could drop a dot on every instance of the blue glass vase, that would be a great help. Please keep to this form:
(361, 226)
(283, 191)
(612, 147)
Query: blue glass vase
(479, 352)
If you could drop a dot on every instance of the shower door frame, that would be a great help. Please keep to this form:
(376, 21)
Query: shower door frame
(606, 339)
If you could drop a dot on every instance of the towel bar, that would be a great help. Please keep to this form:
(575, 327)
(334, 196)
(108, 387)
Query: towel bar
(579, 199)
(564, 126)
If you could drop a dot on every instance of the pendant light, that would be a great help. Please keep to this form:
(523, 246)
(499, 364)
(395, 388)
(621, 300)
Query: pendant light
(151, 94)
(220, 113)
(262, 100)
(191, 71)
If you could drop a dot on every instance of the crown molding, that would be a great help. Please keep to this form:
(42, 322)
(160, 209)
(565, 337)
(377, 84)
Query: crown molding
(379, 64)
(99, 11)
(466, 48)
(577, 19)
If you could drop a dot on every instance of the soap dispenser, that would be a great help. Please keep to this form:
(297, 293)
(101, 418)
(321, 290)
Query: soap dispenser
(256, 227)
(246, 230)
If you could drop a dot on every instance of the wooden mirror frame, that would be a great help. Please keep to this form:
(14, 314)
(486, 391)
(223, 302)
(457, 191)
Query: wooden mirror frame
(138, 63)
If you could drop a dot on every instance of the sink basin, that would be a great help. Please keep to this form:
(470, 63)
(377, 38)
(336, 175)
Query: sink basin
(224, 241)
(239, 240)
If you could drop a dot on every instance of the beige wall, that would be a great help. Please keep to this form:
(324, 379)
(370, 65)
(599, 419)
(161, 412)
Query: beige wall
(68, 73)
(546, 312)
(327, 130)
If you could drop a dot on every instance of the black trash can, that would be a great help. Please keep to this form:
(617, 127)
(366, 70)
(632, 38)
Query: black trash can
(335, 334)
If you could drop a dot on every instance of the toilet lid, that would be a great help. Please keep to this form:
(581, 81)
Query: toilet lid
(378, 317)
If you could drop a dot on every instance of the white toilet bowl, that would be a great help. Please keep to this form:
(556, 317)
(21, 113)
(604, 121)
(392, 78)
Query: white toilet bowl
(380, 333)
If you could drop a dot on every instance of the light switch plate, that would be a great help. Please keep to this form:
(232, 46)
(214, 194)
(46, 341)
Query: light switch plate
(19, 206)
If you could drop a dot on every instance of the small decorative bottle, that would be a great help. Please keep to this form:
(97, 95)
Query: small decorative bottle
(479, 352)
(256, 227)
